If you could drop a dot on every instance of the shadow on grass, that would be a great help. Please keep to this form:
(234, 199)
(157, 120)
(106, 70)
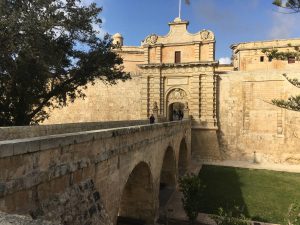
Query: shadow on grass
(222, 188)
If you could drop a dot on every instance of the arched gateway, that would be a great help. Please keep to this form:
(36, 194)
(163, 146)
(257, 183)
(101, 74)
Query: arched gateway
(177, 102)
(178, 78)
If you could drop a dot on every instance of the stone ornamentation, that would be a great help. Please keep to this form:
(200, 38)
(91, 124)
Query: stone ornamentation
(155, 106)
(151, 39)
(177, 95)
(206, 35)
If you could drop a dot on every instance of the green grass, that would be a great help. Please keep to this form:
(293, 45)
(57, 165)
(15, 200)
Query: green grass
(265, 195)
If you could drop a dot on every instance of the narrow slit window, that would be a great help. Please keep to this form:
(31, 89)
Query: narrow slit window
(177, 57)
(262, 58)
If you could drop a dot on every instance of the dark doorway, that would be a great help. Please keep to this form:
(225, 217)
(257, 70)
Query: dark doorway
(176, 111)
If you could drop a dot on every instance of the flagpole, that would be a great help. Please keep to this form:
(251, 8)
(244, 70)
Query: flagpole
(179, 8)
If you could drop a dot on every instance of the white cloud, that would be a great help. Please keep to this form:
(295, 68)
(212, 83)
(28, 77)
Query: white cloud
(225, 60)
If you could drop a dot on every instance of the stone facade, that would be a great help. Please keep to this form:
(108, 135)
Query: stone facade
(251, 128)
(249, 56)
(159, 82)
(224, 124)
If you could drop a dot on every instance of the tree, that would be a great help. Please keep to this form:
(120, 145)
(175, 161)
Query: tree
(291, 5)
(191, 188)
(50, 51)
(293, 102)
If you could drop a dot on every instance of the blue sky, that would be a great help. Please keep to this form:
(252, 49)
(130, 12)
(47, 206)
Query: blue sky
(232, 21)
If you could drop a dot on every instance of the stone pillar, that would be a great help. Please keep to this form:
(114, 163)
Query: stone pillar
(195, 98)
(158, 53)
(146, 54)
(207, 100)
(145, 97)
(197, 52)
(155, 111)
(186, 111)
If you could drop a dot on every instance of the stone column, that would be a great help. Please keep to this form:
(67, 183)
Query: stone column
(186, 111)
(208, 100)
(145, 97)
(158, 53)
(155, 111)
(195, 98)
(197, 52)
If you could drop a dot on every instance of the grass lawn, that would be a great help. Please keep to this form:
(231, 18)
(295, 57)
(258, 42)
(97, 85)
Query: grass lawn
(265, 195)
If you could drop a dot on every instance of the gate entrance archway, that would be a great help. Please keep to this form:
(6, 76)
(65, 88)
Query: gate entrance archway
(176, 111)
(176, 102)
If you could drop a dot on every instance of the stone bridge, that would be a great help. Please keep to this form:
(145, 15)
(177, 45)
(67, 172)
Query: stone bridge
(92, 175)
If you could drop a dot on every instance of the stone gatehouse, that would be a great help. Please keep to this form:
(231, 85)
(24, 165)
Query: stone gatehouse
(229, 105)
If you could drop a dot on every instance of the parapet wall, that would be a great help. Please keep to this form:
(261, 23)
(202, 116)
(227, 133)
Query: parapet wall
(250, 126)
(10, 133)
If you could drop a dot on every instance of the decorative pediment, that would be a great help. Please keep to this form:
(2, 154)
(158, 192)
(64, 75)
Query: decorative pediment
(179, 34)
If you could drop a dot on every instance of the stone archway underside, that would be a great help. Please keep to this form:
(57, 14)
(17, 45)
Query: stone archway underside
(183, 158)
(137, 202)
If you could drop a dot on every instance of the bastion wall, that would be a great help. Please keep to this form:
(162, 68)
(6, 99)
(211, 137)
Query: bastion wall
(250, 127)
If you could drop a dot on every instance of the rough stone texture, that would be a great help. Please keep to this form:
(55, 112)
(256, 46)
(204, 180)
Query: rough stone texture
(10, 219)
(103, 103)
(41, 168)
(10, 133)
(249, 123)
(78, 205)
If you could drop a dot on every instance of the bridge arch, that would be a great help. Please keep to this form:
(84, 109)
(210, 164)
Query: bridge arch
(182, 158)
(137, 201)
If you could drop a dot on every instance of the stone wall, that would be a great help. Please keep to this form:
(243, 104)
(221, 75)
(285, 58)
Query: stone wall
(10, 133)
(103, 103)
(249, 126)
(248, 56)
(35, 172)
(11, 219)
(79, 204)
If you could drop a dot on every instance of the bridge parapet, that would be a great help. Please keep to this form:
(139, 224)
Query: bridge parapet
(10, 133)
(34, 169)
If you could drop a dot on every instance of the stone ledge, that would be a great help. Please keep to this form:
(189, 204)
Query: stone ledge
(22, 146)
(21, 132)
(10, 219)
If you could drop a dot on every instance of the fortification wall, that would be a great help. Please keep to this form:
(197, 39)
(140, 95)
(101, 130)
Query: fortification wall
(103, 103)
(250, 128)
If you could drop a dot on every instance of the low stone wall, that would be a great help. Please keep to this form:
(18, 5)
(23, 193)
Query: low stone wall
(10, 133)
